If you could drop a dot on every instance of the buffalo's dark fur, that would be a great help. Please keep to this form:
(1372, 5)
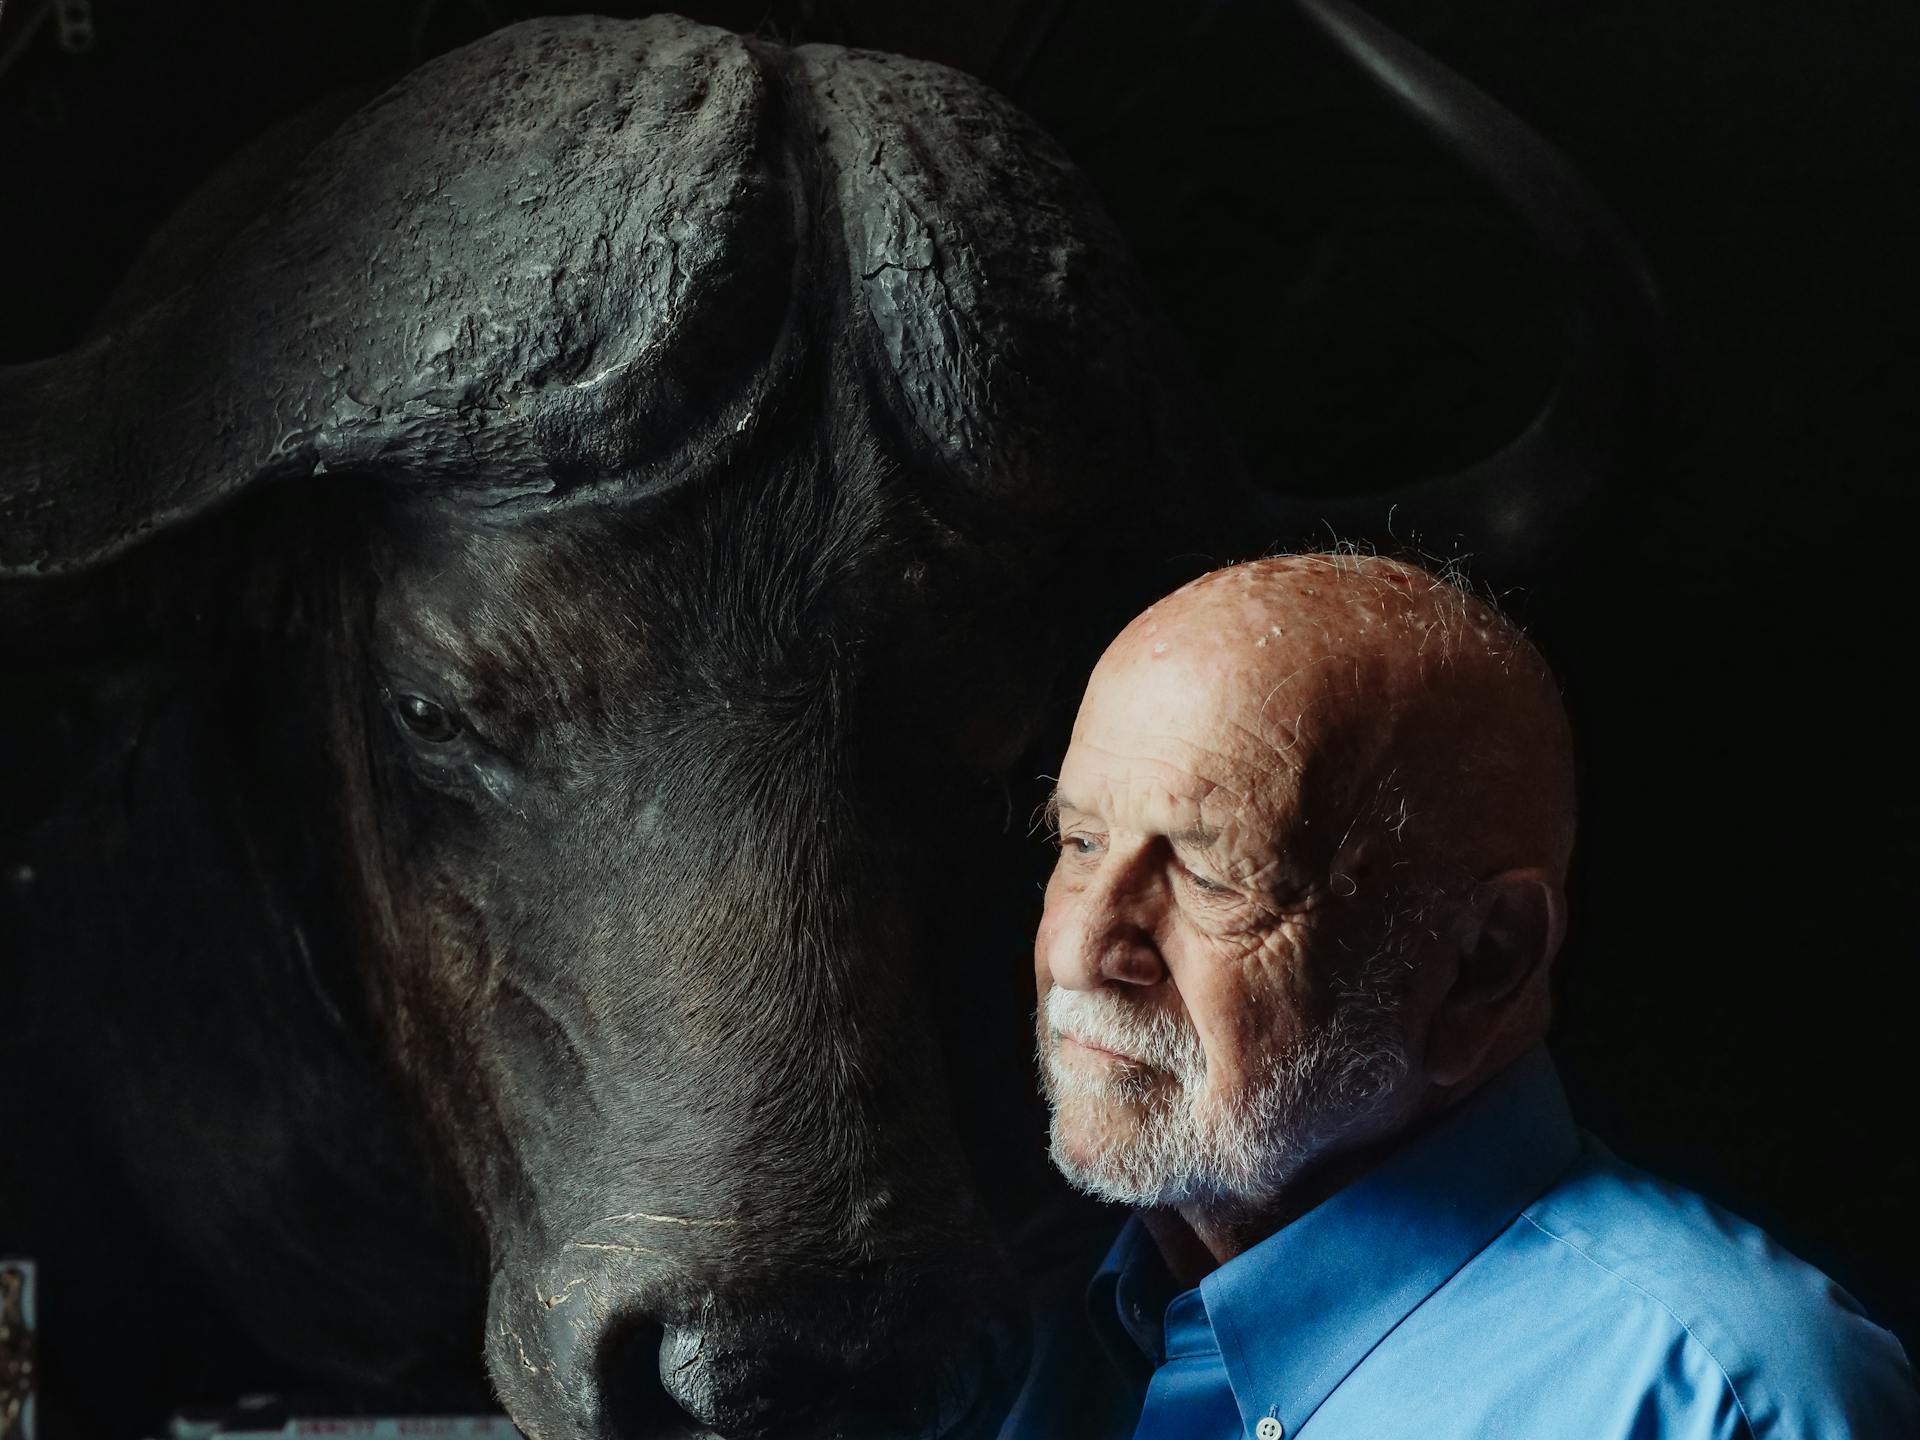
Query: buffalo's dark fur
(655, 937)
(662, 943)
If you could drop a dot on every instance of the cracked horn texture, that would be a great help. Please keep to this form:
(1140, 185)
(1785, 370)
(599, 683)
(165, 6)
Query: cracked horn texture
(1009, 314)
(576, 255)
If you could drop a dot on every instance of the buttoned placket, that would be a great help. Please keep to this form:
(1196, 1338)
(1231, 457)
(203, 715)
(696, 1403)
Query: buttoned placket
(1189, 1397)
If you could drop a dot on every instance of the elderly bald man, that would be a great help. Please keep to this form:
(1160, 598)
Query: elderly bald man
(1314, 824)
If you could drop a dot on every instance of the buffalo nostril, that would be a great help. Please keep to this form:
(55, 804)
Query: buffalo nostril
(736, 1389)
(632, 1401)
(656, 1384)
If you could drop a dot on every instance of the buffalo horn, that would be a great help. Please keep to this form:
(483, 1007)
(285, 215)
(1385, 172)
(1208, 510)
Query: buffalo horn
(1511, 507)
(493, 283)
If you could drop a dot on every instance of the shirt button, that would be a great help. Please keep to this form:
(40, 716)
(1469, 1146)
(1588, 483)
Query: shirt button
(1269, 1428)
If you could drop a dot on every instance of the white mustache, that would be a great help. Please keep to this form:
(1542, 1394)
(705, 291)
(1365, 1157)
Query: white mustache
(1147, 1036)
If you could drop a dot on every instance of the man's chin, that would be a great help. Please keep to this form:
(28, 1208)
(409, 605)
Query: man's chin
(1134, 1154)
(1083, 1128)
(1101, 1155)
(1105, 1175)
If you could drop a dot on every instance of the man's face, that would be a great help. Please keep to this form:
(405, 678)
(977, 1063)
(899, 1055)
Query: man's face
(1215, 1009)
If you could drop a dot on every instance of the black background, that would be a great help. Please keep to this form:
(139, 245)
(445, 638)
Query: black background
(1731, 624)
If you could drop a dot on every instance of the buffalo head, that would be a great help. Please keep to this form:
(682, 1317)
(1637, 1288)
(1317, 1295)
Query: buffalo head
(671, 473)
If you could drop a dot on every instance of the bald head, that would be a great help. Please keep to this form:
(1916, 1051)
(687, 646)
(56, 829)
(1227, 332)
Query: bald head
(1314, 821)
(1397, 701)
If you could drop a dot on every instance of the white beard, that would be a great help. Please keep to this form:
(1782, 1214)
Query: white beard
(1159, 1140)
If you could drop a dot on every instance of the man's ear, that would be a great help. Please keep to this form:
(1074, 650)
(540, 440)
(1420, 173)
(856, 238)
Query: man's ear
(1504, 938)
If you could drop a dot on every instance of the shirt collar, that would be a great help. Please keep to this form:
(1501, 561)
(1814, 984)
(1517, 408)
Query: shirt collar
(1127, 1299)
(1298, 1311)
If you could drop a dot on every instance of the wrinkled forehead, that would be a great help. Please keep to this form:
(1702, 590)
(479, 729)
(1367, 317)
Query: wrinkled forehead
(1275, 663)
(1180, 738)
(1270, 694)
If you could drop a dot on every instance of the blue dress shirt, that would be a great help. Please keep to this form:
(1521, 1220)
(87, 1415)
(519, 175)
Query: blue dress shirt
(1501, 1275)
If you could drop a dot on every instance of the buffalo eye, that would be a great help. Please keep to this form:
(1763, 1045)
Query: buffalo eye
(427, 719)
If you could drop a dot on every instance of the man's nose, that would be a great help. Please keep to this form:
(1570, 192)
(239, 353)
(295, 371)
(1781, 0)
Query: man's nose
(1109, 933)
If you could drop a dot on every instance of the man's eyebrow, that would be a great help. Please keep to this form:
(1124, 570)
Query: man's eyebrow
(1198, 837)
(1058, 803)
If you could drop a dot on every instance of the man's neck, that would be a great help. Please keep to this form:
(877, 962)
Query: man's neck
(1196, 1239)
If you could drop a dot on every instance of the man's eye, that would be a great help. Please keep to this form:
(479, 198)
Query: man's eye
(1203, 884)
(1078, 845)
